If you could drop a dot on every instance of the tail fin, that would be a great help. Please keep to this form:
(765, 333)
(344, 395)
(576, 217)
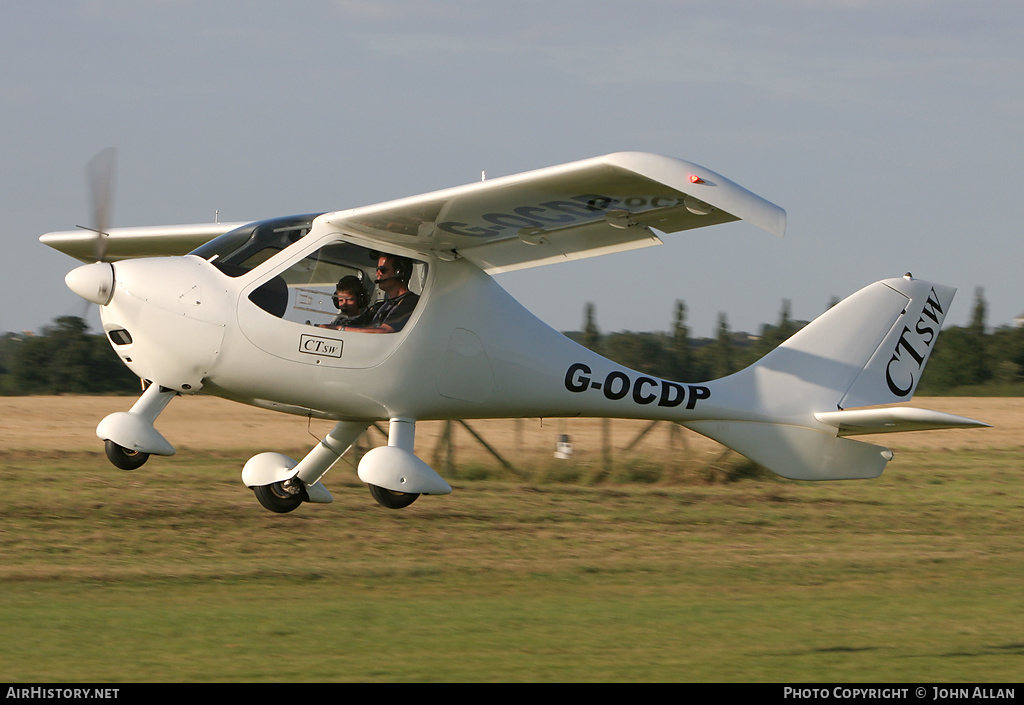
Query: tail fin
(893, 372)
(869, 349)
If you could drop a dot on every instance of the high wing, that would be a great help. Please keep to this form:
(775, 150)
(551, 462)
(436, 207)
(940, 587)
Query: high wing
(129, 243)
(571, 211)
(576, 210)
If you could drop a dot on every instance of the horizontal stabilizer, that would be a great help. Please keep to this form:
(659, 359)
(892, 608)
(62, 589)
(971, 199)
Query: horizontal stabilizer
(893, 420)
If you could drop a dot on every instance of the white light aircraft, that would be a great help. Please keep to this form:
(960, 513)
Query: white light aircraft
(250, 312)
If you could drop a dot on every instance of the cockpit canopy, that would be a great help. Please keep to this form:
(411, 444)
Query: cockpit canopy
(303, 291)
(242, 249)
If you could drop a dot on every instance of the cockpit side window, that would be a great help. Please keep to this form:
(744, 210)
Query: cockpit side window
(242, 249)
(313, 290)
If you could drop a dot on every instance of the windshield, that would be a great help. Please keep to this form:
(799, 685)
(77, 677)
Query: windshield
(240, 250)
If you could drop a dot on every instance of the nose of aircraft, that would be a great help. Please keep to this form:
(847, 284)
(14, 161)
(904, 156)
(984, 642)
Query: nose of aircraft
(165, 316)
(93, 282)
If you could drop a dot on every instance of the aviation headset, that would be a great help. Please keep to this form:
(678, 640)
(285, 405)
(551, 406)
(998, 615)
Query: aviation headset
(353, 285)
(402, 265)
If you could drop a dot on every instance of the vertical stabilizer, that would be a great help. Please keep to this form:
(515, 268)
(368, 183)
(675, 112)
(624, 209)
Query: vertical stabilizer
(868, 349)
(895, 369)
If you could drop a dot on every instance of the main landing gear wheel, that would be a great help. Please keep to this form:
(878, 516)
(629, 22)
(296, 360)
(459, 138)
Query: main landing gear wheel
(392, 499)
(124, 458)
(280, 497)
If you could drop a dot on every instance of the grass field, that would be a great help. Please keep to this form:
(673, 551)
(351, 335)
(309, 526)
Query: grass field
(556, 571)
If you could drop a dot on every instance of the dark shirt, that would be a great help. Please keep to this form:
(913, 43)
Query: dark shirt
(393, 312)
(343, 320)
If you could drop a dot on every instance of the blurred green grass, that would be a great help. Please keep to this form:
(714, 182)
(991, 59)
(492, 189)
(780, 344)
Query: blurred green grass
(174, 573)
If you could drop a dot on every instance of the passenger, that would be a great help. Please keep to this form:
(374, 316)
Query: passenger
(350, 298)
(391, 314)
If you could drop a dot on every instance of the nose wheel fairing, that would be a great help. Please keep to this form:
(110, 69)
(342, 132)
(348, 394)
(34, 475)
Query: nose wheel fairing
(133, 431)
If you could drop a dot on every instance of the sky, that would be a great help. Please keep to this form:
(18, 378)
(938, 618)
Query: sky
(891, 131)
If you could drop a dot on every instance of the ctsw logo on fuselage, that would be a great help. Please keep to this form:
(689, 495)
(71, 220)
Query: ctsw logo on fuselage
(315, 345)
(642, 390)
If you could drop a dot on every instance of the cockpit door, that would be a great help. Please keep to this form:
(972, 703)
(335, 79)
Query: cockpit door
(287, 310)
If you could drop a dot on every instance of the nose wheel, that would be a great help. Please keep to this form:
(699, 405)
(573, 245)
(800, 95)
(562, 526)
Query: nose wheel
(125, 458)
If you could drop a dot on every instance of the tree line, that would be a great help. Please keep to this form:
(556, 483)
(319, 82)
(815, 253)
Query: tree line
(64, 358)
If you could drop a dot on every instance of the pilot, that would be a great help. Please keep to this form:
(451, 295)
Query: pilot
(391, 314)
(350, 298)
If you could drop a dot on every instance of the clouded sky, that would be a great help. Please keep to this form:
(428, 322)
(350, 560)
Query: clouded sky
(892, 132)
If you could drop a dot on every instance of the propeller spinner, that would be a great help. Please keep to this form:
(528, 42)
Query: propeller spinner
(93, 282)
